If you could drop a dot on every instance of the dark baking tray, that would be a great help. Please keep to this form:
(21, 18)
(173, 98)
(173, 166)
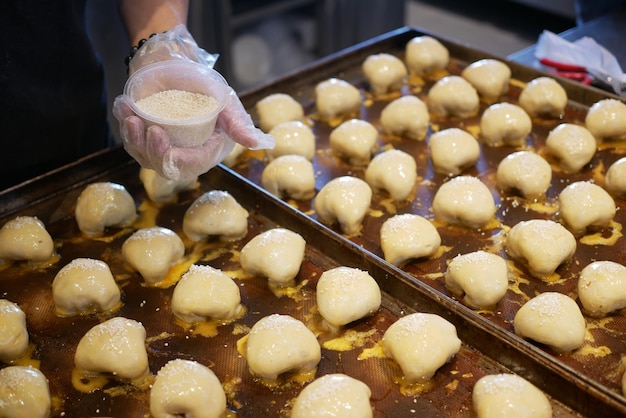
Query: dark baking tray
(601, 372)
(488, 347)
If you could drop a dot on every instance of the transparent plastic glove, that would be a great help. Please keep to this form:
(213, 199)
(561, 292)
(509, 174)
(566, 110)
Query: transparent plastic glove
(152, 147)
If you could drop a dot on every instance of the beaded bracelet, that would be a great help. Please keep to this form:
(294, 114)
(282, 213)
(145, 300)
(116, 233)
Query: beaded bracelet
(133, 49)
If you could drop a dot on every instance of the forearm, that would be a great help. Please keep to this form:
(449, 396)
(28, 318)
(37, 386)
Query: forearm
(144, 17)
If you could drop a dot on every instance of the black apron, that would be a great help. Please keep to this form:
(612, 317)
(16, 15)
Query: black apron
(52, 93)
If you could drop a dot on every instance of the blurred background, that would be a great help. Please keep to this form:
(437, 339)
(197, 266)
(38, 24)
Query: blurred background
(259, 40)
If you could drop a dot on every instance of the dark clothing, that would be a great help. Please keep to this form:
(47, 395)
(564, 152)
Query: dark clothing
(52, 92)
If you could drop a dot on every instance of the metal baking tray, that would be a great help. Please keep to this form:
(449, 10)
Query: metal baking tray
(488, 345)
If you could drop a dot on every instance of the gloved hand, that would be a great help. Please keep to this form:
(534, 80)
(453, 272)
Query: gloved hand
(152, 147)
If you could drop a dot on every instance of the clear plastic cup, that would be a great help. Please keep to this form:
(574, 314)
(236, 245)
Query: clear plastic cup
(185, 76)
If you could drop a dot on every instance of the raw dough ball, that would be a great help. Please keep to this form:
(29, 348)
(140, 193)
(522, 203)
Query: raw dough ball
(153, 251)
(185, 388)
(205, 293)
(602, 287)
(504, 124)
(408, 236)
(280, 343)
(25, 238)
(289, 176)
(553, 319)
(453, 150)
(292, 137)
(571, 145)
(84, 286)
(615, 179)
(24, 393)
(13, 331)
(482, 278)
(394, 171)
(509, 396)
(334, 395)
(524, 173)
(346, 200)
(276, 254)
(584, 205)
(489, 77)
(385, 72)
(335, 98)
(464, 200)
(543, 96)
(421, 343)
(231, 159)
(215, 213)
(453, 96)
(277, 108)
(354, 140)
(116, 346)
(335, 295)
(541, 244)
(160, 189)
(102, 205)
(425, 54)
(406, 116)
(606, 119)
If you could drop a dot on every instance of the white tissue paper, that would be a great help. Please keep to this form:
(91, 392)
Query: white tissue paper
(584, 52)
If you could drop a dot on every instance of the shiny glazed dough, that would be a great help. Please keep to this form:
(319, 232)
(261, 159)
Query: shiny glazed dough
(543, 96)
(425, 54)
(584, 205)
(116, 346)
(290, 176)
(25, 238)
(602, 287)
(276, 254)
(215, 213)
(541, 244)
(153, 251)
(346, 200)
(333, 395)
(606, 120)
(464, 200)
(453, 96)
(335, 295)
(408, 236)
(615, 179)
(394, 171)
(186, 388)
(85, 285)
(553, 319)
(276, 109)
(504, 124)
(335, 97)
(385, 72)
(205, 293)
(354, 140)
(573, 146)
(278, 344)
(13, 332)
(509, 396)
(102, 205)
(292, 137)
(524, 173)
(406, 116)
(482, 278)
(421, 343)
(160, 189)
(24, 393)
(490, 77)
(453, 150)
